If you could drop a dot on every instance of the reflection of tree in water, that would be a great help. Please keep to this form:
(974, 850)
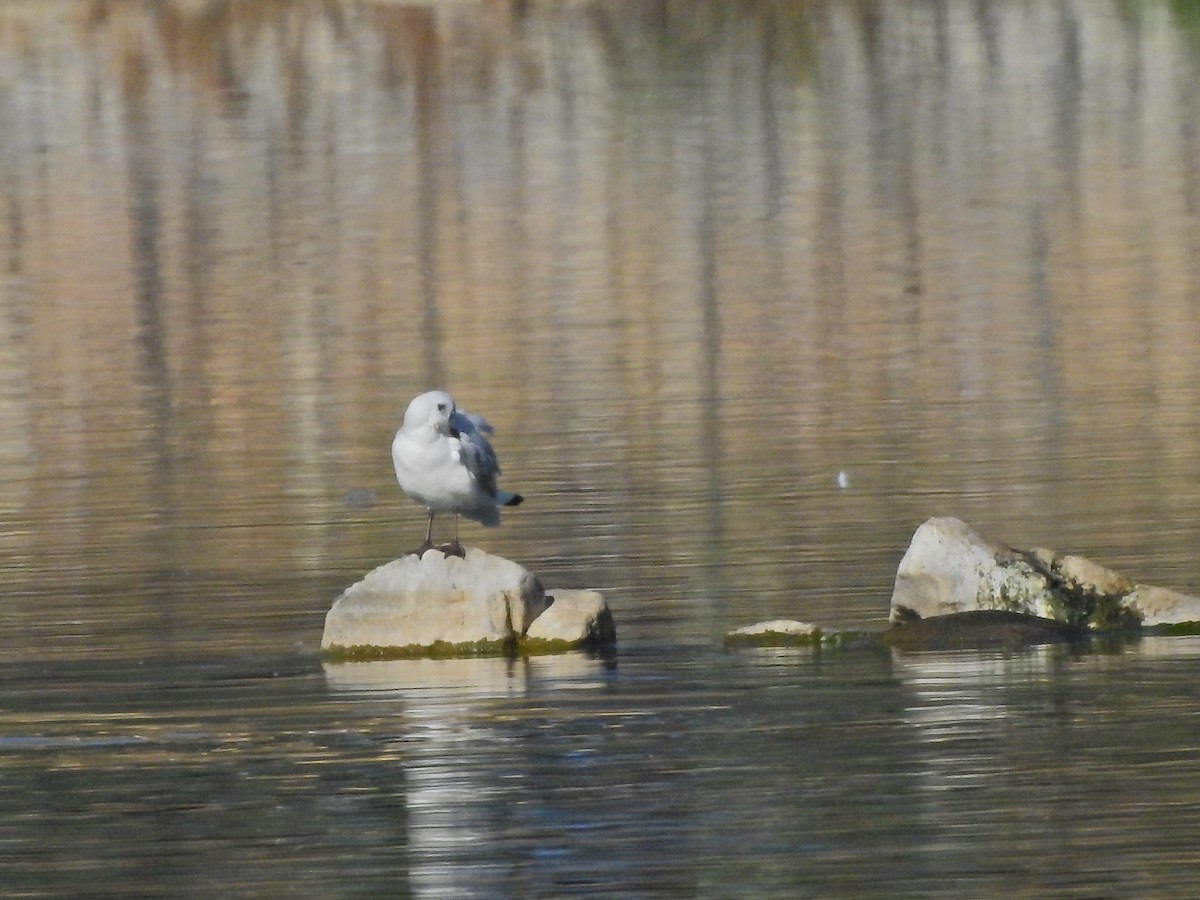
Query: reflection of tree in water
(698, 258)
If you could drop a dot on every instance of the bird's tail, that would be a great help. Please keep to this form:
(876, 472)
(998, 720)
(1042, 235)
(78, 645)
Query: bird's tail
(503, 498)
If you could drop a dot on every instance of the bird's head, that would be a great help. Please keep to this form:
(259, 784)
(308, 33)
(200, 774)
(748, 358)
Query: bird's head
(432, 409)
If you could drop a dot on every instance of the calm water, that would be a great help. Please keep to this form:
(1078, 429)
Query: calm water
(693, 261)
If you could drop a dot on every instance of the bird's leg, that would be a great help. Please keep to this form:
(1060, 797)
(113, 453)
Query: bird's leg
(454, 548)
(428, 539)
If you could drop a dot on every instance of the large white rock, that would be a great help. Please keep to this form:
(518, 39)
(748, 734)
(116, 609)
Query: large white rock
(951, 568)
(576, 618)
(477, 602)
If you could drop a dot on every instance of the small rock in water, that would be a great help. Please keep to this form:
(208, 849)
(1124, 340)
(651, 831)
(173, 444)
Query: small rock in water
(574, 619)
(774, 633)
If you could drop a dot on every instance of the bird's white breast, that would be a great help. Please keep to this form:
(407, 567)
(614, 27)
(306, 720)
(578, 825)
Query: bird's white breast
(430, 471)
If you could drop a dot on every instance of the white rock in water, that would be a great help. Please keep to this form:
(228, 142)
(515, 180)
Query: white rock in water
(778, 633)
(578, 618)
(776, 626)
(951, 568)
(415, 602)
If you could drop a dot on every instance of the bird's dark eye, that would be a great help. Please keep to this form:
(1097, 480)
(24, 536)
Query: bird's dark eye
(441, 407)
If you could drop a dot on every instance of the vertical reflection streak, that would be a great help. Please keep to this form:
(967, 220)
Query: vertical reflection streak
(146, 223)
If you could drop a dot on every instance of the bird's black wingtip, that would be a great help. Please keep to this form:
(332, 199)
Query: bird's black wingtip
(516, 500)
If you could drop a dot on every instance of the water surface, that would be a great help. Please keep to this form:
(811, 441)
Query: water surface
(694, 262)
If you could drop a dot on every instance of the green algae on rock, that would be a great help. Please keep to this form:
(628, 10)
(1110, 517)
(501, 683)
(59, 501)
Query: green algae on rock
(790, 633)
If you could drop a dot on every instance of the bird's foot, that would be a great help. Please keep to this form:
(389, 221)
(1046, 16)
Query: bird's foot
(453, 549)
(420, 551)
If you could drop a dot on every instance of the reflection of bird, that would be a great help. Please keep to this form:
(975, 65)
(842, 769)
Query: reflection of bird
(444, 462)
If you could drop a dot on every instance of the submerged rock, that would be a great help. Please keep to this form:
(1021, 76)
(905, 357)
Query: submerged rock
(438, 605)
(973, 630)
(950, 568)
(979, 629)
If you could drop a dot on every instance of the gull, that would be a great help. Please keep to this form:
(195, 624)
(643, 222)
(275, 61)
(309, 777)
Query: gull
(444, 462)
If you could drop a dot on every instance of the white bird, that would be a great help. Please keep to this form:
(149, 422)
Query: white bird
(444, 462)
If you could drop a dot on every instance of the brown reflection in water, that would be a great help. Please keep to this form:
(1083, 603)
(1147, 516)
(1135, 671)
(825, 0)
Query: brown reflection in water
(692, 262)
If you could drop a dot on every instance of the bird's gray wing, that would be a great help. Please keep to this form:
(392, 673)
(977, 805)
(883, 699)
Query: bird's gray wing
(474, 450)
(464, 422)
